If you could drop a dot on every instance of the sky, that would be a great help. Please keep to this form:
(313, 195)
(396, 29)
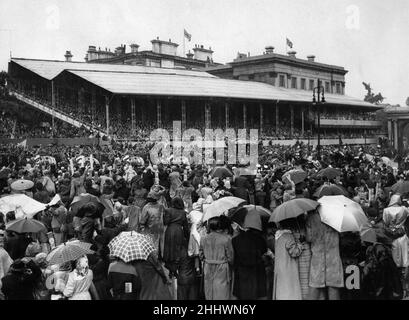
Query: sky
(369, 38)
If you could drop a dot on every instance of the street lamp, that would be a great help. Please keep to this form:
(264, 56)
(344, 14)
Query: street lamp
(319, 89)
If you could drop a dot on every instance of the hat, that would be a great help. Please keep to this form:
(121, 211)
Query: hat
(395, 199)
(20, 185)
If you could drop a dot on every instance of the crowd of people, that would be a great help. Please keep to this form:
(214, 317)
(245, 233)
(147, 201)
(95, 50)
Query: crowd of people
(196, 257)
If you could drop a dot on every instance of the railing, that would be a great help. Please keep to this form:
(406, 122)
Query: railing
(348, 123)
(55, 112)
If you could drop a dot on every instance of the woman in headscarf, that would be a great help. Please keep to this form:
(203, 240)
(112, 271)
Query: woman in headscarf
(79, 281)
(216, 250)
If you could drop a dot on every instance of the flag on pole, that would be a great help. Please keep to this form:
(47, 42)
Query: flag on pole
(289, 43)
(187, 35)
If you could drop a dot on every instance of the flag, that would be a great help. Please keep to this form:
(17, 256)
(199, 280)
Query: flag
(289, 43)
(22, 143)
(187, 35)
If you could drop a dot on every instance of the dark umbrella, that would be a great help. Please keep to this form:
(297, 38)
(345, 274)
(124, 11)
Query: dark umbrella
(330, 173)
(330, 190)
(296, 175)
(293, 209)
(83, 199)
(221, 172)
(25, 225)
(239, 215)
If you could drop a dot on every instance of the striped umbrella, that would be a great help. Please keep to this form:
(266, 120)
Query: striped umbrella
(131, 245)
(69, 251)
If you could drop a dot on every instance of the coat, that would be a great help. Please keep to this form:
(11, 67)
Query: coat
(176, 235)
(287, 284)
(77, 287)
(151, 222)
(217, 251)
(249, 269)
(326, 264)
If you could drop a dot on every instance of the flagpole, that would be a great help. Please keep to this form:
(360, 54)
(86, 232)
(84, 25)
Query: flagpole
(183, 55)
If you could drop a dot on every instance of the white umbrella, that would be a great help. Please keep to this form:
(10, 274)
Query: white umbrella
(341, 213)
(23, 205)
(221, 206)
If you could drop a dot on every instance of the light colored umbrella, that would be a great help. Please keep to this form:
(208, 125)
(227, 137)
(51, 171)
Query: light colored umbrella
(296, 175)
(292, 209)
(69, 251)
(25, 225)
(21, 184)
(341, 213)
(221, 206)
(22, 205)
(401, 187)
(131, 245)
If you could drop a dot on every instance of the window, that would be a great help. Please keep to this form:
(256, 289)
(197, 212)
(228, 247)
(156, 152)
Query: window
(338, 88)
(282, 81)
(311, 85)
(303, 87)
(326, 86)
(294, 83)
(251, 76)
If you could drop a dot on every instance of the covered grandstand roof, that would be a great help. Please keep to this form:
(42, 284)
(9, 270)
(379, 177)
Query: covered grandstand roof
(138, 80)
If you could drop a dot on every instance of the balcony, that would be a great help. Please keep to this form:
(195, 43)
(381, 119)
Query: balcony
(349, 123)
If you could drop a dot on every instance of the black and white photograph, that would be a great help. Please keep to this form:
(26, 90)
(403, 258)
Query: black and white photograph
(221, 151)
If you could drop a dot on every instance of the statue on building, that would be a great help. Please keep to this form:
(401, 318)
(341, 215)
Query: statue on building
(370, 96)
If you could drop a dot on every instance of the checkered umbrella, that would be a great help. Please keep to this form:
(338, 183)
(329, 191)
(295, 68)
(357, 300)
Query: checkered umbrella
(131, 245)
(69, 251)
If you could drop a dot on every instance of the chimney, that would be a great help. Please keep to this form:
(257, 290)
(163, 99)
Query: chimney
(292, 53)
(68, 56)
(311, 58)
(269, 49)
(189, 55)
(134, 47)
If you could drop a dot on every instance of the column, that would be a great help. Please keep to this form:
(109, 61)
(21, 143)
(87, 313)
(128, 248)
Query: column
(133, 117)
(183, 115)
(93, 105)
(208, 115)
(53, 106)
(226, 114)
(158, 113)
(395, 135)
(107, 113)
(277, 117)
(261, 118)
(390, 133)
(292, 121)
(244, 116)
(302, 121)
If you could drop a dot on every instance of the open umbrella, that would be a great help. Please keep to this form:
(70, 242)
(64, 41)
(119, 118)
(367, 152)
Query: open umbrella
(25, 225)
(292, 209)
(21, 184)
(368, 233)
(22, 205)
(84, 199)
(221, 172)
(401, 187)
(250, 216)
(341, 213)
(69, 251)
(220, 206)
(296, 175)
(130, 246)
(330, 190)
(330, 173)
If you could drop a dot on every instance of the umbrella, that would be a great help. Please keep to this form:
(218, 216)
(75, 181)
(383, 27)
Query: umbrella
(401, 187)
(250, 216)
(23, 205)
(330, 173)
(296, 175)
(330, 190)
(220, 206)
(292, 209)
(83, 199)
(20, 185)
(25, 225)
(130, 246)
(341, 213)
(69, 251)
(221, 172)
(368, 233)
(245, 172)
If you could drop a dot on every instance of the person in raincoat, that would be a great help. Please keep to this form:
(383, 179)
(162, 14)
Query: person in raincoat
(326, 271)
(216, 250)
(79, 281)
